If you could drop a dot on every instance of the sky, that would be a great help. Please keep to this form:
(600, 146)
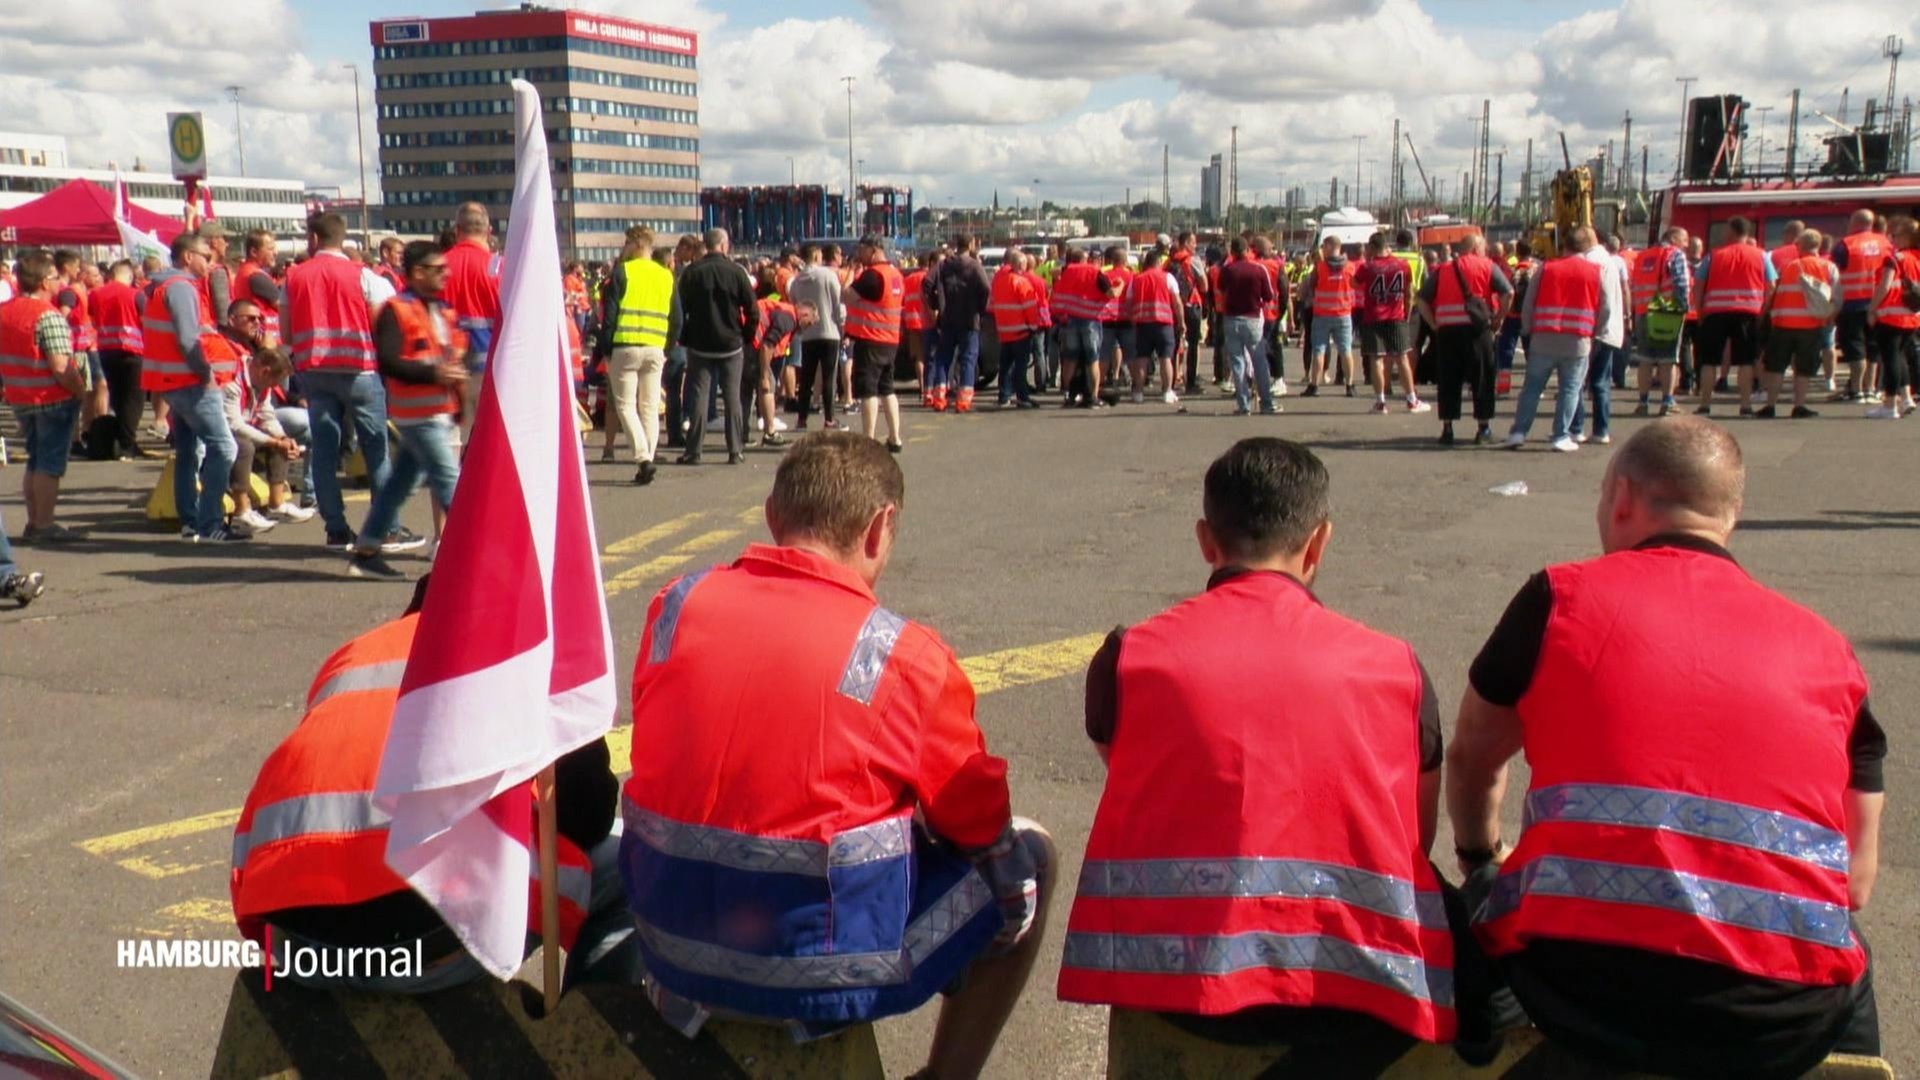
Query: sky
(1068, 100)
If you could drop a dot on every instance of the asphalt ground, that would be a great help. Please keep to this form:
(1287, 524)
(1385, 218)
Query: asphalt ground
(140, 694)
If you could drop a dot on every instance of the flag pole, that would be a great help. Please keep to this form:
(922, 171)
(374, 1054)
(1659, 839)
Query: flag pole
(549, 891)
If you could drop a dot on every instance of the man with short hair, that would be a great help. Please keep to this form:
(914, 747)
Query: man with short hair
(885, 862)
(1564, 306)
(75, 281)
(1156, 311)
(391, 265)
(959, 295)
(1679, 900)
(43, 382)
(1016, 321)
(719, 317)
(815, 284)
(1730, 293)
(219, 278)
(1078, 294)
(1896, 322)
(188, 361)
(1380, 292)
(1606, 364)
(874, 309)
(1662, 279)
(1794, 332)
(1218, 896)
(254, 281)
(116, 317)
(331, 302)
(1860, 255)
(1462, 301)
(1246, 291)
(473, 282)
(423, 366)
(636, 323)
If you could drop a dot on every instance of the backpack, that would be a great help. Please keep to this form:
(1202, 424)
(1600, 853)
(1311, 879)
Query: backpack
(1817, 293)
(1909, 287)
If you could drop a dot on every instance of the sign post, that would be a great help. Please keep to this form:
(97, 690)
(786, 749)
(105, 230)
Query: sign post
(187, 140)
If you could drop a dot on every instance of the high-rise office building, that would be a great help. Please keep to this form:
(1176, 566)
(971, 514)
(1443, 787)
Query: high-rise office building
(622, 119)
(1210, 196)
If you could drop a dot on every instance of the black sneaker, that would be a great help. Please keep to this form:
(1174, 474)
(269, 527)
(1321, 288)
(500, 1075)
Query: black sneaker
(1312, 390)
(402, 539)
(772, 438)
(1764, 412)
(736, 459)
(1446, 435)
(1483, 436)
(686, 459)
(1801, 412)
(894, 448)
(307, 501)
(340, 541)
(370, 564)
(225, 535)
(23, 589)
(645, 475)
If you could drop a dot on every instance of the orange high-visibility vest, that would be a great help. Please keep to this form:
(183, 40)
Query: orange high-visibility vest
(1567, 297)
(1789, 302)
(116, 312)
(1015, 306)
(878, 321)
(1893, 310)
(1867, 252)
(1736, 281)
(328, 326)
(421, 340)
(165, 367)
(23, 367)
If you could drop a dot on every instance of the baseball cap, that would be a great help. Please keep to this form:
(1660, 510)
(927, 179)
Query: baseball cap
(211, 229)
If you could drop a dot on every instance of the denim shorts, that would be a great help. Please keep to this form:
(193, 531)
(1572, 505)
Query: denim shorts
(1080, 340)
(48, 433)
(1335, 330)
(1152, 340)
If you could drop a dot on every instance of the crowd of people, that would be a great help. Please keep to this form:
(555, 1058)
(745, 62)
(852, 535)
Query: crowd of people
(833, 843)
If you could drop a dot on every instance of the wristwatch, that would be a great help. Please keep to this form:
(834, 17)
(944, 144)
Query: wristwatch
(1473, 858)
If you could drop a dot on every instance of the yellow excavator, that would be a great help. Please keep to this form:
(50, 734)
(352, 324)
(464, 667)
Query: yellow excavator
(1572, 205)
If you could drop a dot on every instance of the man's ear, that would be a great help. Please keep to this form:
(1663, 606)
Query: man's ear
(1209, 544)
(773, 523)
(1316, 549)
(879, 531)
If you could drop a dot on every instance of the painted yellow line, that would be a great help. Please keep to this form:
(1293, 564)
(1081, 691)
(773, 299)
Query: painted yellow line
(752, 515)
(635, 576)
(990, 673)
(650, 535)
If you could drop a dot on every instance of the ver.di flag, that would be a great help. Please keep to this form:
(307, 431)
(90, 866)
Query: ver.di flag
(511, 666)
(138, 245)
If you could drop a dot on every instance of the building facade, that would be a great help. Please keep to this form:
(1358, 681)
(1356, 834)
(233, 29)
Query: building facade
(1210, 192)
(622, 120)
(32, 165)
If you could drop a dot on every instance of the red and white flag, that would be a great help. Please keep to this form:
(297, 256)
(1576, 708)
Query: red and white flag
(511, 666)
(138, 244)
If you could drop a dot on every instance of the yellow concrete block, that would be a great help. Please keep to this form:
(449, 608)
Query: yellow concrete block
(160, 500)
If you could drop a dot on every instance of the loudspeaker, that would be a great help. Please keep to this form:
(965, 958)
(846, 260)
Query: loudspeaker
(1710, 121)
(1862, 153)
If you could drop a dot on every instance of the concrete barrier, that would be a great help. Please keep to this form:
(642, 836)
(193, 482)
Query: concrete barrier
(1142, 1046)
(490, 1029)
(160, 500)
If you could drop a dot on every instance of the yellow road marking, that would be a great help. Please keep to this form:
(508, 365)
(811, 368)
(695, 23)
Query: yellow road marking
(753, 515)
(635, 576)
(104, 846)
(1029, 664)
(648, 536)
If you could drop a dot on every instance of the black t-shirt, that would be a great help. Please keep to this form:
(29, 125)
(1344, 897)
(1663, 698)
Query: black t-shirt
(780, 327)
(1103, 686)
(1504, 669)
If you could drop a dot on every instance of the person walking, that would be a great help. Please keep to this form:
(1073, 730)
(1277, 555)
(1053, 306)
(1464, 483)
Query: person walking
(1606, 364)
(636, 323)
(473, 282)
(960, 295)
(819, 286)
(116, 315)
(1896, 322)
(1563, 306)
(1246, 291)
(878, 297)
(720, 316)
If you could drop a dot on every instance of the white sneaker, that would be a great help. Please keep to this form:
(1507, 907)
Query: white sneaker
(1280, 388)
(1515, 441)
(291, 512)
(1170, 398)
(255, 521)
(1604, 440)
(1580, 438)
(1565, 445)
(1884, 412)
(779, 424)
(188, 532)
(1418, 406)
(1139, 397)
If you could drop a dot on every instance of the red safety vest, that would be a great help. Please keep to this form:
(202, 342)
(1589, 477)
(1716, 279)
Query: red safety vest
(1332, 292)
(1113, 308)
(1015, 305)
(80, 321)
(768, 305)
(473, 285)
(1276, 273)
(116, 313)
(1213, 286)
(1253, 849)
(878, 321)
(1893, 310)
(1699, 817)
(1076, 292)
(309, 834)
(420, 342)
(1649, 273)
(913, 307)
(1783, 255)
(1042, 311)
(1566, 297)
(1789, 303)
(1449, 305)
(328, 327)
(1736, 280)
(24, 373)
(1150, 298)
(269, 309)
(164, 365)
(1867, 252)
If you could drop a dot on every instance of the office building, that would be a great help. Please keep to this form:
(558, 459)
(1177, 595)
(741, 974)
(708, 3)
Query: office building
(1211, 202)
(622, 119)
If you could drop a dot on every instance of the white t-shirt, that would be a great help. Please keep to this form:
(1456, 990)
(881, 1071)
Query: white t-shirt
(1613, 286)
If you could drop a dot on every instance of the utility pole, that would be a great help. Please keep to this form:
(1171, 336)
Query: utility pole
(1626, 153)
(1763, 110)
(360, 142)
(1359, 141)
(239, 134)
(1396, 180)
(1793, 132)
(1891, 48)
(1233, 176)
(1686, 92)
(848, 79)
(1166, 190)
(1486, 131)
(1526, 185)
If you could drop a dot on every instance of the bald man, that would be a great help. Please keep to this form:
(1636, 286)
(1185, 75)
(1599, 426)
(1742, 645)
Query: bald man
(1700, 822)
(472, 287)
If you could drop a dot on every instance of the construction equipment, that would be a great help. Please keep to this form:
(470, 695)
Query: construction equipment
(1570, 202)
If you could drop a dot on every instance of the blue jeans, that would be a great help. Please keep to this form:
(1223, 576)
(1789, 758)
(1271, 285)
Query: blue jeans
(334, 398)
(1014, 356)
(1573, 379)
(200, 419)
(675, 388)
(48, 435)
(1332, 330)
(1244, 357)
(1607, 362)
(1503, 348)
(7, 566)
(424, 451)
(1080, 341)
(293, 420)
(960, 357)
(936, 373)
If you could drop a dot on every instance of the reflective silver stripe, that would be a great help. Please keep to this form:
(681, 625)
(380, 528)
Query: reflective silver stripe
(724, 847)
(1298, 879)
(830, 971)
(331, 332)
(1692, 815)
(1227, 954)
(573, 883)
(669, 620)
(21, 382)
(381, 676)
(1671, 890)
(327, 813)
(870, 652)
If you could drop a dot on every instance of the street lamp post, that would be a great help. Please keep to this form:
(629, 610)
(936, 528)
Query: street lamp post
(1686, 89)
(239, 134)
(848, 79)
(360, 143)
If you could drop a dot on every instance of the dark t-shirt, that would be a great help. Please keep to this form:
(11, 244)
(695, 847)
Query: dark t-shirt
(780, 328)
(1103, 687)
(1245, 289)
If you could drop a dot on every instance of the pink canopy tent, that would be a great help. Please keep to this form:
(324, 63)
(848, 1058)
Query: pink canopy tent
(78, 212)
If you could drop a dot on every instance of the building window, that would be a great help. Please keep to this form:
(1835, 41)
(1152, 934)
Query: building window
(657, 169)
(433, 80)
(622, 110)
(632, 139)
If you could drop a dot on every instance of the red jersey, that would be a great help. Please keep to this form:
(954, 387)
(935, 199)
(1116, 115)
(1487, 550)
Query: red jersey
(1380, 291)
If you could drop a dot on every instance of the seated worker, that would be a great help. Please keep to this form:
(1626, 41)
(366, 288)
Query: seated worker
(1696, 834)
(1258, 867)
(830, 843)
(248, 401)
(309, 851)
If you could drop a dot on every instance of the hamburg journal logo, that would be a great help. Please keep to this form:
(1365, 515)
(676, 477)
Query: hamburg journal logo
(300, 961)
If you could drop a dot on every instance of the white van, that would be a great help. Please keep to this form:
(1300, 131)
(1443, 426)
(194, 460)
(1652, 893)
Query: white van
(1352, 227)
